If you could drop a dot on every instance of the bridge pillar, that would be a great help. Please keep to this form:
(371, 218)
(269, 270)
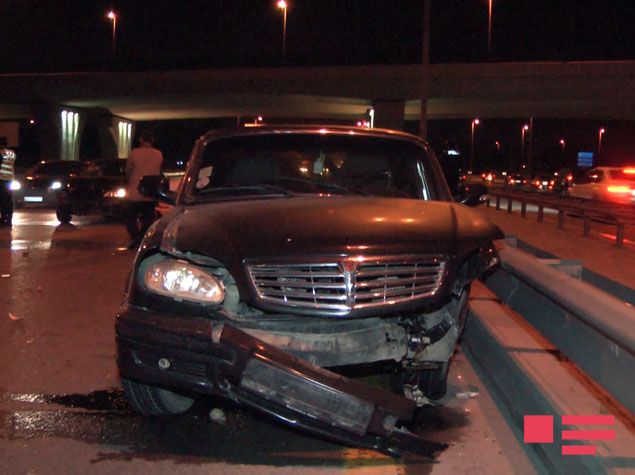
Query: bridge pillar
(60, 130)
(389, 114)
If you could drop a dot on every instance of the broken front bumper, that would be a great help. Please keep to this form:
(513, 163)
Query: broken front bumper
(214, 358)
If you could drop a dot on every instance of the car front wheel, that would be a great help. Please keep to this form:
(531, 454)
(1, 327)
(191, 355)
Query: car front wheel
(433, 383)
(154, 401)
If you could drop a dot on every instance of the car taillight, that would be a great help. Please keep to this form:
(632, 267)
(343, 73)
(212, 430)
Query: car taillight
(619, 189)
(629, 171)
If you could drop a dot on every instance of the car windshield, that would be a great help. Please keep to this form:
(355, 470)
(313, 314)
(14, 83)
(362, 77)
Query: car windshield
(301, 163)
(57, 168)
(106, 168)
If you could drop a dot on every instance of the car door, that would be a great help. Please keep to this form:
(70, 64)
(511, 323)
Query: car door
(589, 186)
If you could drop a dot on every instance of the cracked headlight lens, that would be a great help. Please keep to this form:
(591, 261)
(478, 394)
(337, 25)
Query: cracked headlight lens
(183, 281)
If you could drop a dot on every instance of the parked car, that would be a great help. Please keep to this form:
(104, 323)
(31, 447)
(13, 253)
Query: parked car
(41, 183)
(294, 249)
(88, 192)
(614, 184)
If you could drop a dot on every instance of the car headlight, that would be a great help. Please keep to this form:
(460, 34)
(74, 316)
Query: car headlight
(183, 281)
(56, 185)
(120, 193)
(14, 185)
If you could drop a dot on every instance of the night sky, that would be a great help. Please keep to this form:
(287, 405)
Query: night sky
(53, 36)
(47, 35)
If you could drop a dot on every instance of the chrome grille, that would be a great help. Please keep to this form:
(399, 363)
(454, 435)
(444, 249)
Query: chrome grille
(342, 286)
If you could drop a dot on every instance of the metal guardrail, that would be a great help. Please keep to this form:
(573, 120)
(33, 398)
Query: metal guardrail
(615, 214)
(590, 327)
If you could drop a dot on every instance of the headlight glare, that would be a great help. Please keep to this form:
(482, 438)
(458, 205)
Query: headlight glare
(56, 185)
(14, 185)
(183, 281)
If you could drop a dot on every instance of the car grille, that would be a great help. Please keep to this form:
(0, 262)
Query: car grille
(341, 287)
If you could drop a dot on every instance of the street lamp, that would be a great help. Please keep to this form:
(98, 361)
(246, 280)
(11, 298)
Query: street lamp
(475, 122)
(112, 16)
(562, 144)
(282, 5)
(523, 129)
(600, 133)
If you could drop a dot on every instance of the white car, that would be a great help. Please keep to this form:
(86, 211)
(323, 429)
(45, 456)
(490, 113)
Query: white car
(615, 184)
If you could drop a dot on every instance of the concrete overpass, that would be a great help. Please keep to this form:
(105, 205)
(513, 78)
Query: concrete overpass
(598, 90)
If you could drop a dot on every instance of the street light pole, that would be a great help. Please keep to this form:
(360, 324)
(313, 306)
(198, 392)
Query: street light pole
(425, 80)
(475, 122)
(489, 26)
(523, 129)
(282, 5)
(113, 17)
(600, 133)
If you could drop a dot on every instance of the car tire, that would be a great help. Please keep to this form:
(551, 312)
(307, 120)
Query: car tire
(64, 215)
(154, 401)
(433, 383)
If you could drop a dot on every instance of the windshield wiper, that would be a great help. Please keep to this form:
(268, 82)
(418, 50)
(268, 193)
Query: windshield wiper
(247, 189)
(322, 184)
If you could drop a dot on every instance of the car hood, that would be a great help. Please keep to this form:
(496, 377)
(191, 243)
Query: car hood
(333, 225)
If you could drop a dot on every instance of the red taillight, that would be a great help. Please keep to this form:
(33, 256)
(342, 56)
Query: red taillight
(569, 177)
(629, 171)
(619, 189)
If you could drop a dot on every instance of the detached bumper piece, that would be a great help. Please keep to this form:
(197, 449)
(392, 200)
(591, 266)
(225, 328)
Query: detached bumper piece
(309, 397)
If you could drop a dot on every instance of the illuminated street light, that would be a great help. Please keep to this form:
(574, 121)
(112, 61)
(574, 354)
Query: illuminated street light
(282, 5)
(112, 16)
(600, 133)
(562, 144)
(523, 129)
(475, 122)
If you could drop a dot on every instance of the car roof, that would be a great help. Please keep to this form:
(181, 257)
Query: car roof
(258, 129)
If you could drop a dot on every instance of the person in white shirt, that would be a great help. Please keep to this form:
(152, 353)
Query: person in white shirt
(142, 161)
(7, 159)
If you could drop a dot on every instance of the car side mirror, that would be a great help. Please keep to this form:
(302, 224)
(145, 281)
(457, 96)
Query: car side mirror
(156, 187)
(472, 194)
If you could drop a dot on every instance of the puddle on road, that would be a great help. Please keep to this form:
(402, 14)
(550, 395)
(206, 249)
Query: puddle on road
(104, 418)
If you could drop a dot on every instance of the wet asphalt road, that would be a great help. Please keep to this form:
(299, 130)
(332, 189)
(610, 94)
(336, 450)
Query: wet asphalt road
(62, 410)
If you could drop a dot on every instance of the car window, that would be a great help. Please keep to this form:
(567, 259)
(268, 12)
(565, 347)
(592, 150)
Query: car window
(594, 176)
(311, 163)
(623, 175)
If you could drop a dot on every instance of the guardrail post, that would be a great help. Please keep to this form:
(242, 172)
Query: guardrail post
(560, 219)
(587, 226)
(619, 239)
(498, 201)
(523, 208)
(541, 213)
(509, 205)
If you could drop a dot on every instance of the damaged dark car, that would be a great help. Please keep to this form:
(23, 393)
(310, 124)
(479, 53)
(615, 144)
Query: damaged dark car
(291, 252)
